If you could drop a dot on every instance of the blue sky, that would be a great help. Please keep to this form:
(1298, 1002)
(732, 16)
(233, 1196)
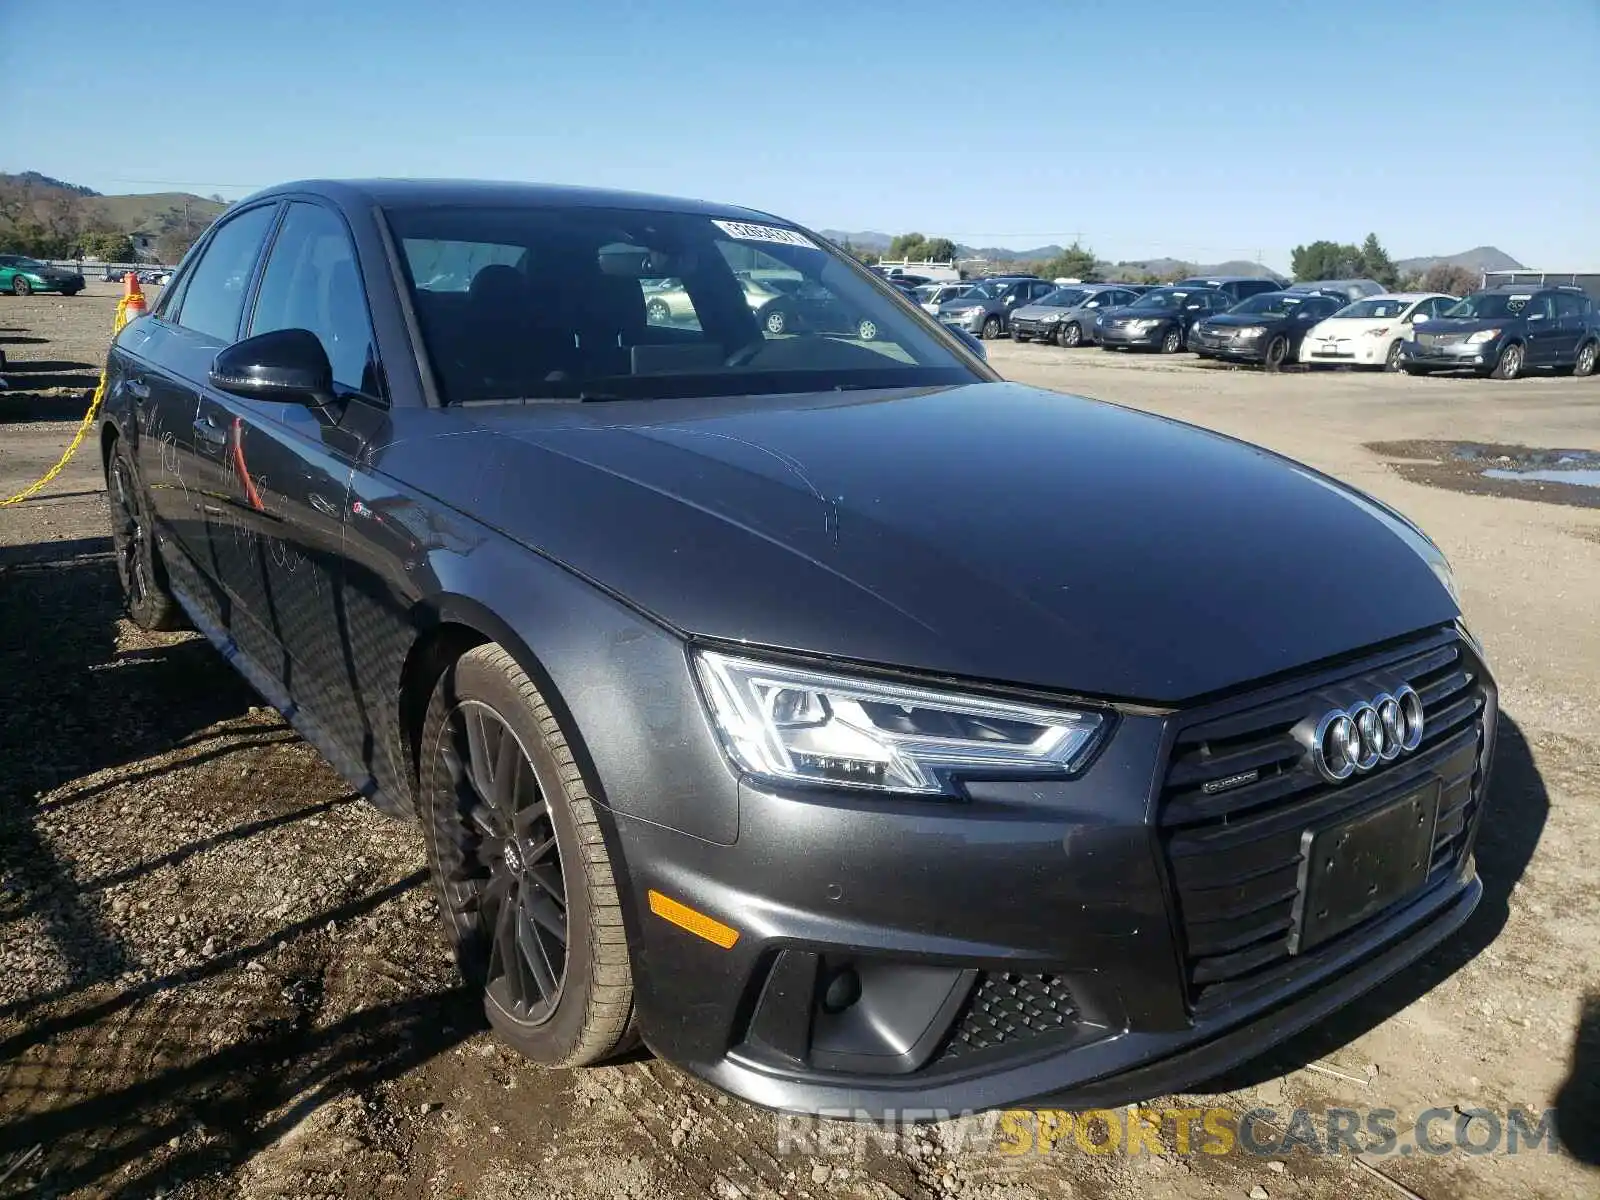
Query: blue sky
(1191, 128)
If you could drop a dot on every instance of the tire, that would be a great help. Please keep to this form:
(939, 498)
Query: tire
(1018, 337)
(1172, 341)
(70, 291)
(557, 874)
(1510, 363)
(1277, 351)
(20, 286)
(657, 311)
(1070, 335)
(140, 571)
(1584, 365)
(775, 322)
(866, 329)
(1393, 361)
(991, 328)
(1414, 372)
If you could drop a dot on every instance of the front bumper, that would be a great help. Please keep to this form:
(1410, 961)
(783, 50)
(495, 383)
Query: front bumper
(1113, 337)
(1031, 942)
(1022, 327)
(972, 324)
(1452, 356)
(1348, 352)
(1229, 348)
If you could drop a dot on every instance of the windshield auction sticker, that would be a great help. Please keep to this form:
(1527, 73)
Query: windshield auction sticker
(747, 232)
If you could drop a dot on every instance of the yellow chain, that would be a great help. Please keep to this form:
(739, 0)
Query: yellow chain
(84, 427)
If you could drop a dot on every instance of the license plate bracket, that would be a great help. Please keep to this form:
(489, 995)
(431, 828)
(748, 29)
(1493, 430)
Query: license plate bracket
(1355, 868)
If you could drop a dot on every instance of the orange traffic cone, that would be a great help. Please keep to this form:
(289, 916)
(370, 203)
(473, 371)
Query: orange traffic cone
(133, 303)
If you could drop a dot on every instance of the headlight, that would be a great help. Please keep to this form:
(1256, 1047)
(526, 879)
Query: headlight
(1050, 318)
(1141, 326)
(1378, 331)
(1250, 331)
(1482, 336)
(788, 724)
(967, 312)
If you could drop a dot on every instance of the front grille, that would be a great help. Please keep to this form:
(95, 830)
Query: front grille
(1008, 1007)
(1241, 789)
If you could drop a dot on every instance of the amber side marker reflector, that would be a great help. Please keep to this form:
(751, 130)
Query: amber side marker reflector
(696, 923)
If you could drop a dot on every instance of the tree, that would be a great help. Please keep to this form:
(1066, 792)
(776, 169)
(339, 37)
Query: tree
(1325, 260)
(939, 249)
(1075, 262)
(108, 247)
(1444, 277)
(907, 246)
(1376, 263)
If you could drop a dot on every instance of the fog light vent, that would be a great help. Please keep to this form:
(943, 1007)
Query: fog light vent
(1008, 1007)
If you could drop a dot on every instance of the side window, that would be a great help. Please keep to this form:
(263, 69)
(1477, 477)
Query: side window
(1544, 306)
(1568, 306)
(311, 282)
(213, 297)
(1042, 289)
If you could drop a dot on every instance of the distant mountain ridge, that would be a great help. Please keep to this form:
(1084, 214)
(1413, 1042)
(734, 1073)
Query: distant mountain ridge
(137, 213)
(1479, 258)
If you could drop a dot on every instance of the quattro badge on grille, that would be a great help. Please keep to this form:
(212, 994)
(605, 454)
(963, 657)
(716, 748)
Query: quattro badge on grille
(1358, 738)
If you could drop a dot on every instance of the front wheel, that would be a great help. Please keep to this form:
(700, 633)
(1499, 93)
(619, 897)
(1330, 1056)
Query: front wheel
(524, 880)
(1277, 351)
(1070, 335)
(657, 312)
(1509, 364)
(866, 329)
(20, 286)
(1172, 341)
(1395, 358)
(775, 323)
(991, 328)
(139, 569)
(1585, 362)
(70, 291)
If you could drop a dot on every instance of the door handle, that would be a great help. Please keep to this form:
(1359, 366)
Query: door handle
(137, 388)
(210, 435)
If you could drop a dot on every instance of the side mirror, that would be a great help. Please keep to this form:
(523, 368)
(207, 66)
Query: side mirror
(1418, 319)
(286, 366)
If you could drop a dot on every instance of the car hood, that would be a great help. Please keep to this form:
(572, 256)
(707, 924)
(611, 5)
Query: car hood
(1036, 312)
(992, 531)
(1241, 320)
(950, 306)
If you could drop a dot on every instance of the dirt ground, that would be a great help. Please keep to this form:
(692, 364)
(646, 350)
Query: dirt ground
(220, 975)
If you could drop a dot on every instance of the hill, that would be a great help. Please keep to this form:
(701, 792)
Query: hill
(154, 211)
(1478, 259)
(866, 239)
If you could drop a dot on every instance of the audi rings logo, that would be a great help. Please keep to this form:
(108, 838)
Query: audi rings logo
(1358, 738)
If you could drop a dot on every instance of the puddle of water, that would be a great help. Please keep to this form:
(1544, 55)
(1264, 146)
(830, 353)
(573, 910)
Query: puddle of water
(1577, 476)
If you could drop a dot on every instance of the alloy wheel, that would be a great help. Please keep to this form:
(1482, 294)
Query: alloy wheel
(21, 286)
(1586, 360)
(775, 323)
(867, 330)
(508, 885)
(1392, 363)
(129, 536)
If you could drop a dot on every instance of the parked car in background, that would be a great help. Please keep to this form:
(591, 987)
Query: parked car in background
(1350, 289)
(1067, 315)
(1265, 328)
(673, 303)
(809, 307)
(1372, 332)
(986, 309)
(1506, 332)
(931, 295)
(22, 276)
(1237, 286)
(835, 719)
(1159, 319)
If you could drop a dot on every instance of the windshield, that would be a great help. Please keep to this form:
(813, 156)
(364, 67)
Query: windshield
(1066, 297)
(16, 260)
(1162, 299)
(1383, 306)
(550, 303)
(1490, 305)
(1268, 304)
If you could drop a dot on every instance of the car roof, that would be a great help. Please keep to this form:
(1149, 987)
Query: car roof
(465, 192)
(1225, 279)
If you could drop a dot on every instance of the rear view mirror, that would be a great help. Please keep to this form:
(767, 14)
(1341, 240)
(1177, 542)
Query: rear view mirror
(286, 366)
(638, 262)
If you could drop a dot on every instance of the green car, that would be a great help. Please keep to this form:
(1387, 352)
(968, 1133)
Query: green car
(24, 276)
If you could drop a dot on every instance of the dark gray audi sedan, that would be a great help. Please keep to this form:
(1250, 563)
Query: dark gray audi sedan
(860, 731)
